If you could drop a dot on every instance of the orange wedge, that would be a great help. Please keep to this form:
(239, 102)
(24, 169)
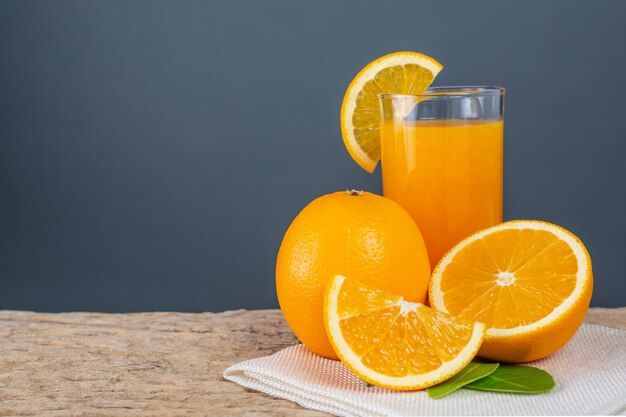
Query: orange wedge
(400, 73)
(529, 281)
(392, 343)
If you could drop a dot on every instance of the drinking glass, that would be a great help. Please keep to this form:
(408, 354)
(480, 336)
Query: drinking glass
(442, 160)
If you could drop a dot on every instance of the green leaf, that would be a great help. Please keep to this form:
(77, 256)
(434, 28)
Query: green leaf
(472, 372)
(515, 378)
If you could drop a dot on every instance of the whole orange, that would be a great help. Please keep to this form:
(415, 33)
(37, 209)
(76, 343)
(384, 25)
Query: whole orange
(356, 234)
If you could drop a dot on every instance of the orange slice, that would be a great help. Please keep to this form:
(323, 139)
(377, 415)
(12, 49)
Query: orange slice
(392, 343)
(529, 281)
(400, 73)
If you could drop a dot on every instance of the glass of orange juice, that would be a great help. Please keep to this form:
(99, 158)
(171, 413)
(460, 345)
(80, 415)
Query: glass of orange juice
(442, 160)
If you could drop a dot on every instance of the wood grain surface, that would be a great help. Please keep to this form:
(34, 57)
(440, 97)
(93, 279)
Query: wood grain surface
(147, 364)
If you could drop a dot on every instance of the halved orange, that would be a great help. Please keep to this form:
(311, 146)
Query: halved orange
(529, 281)
(393, 343)
(399, 73)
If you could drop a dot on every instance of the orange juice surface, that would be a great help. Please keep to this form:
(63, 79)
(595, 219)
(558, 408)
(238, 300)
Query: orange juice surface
(447, 174)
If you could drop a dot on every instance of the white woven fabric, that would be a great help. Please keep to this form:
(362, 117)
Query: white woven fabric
(590, 375)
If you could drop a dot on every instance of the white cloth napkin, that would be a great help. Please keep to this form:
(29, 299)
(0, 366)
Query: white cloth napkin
(590, 376)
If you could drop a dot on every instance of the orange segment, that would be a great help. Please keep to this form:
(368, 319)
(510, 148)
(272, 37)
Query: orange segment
(529, 281)
(393, 343)
(399, 72)
(368, 300)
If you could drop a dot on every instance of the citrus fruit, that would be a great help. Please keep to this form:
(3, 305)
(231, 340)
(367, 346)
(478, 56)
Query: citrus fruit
(529, 281)
(347, 232)
(393, 343)
(400, 73)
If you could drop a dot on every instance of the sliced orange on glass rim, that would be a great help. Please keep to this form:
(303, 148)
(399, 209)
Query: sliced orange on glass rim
(396, 73)
(393, 343)
(529, 281)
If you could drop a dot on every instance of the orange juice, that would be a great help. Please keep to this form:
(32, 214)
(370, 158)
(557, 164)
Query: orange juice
(447, 174)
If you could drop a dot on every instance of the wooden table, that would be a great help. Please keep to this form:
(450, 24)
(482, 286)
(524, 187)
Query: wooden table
(146, 364)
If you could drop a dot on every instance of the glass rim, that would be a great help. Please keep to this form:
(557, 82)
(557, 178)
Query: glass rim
(456, 91)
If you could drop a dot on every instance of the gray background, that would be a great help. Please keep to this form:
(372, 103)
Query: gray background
(153, 153)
